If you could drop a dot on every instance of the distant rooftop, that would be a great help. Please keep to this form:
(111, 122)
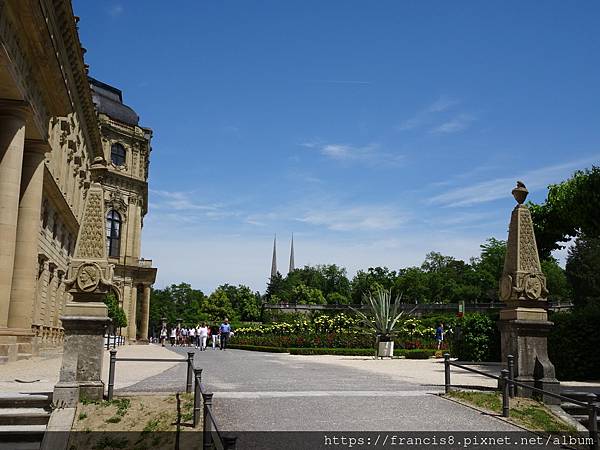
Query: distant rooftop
(109, 101)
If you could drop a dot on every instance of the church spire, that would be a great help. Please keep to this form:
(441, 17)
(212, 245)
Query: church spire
(274, 262)
(292, 255)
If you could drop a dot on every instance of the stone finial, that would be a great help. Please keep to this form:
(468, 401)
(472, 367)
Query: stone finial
(520, 192)
(522, 277)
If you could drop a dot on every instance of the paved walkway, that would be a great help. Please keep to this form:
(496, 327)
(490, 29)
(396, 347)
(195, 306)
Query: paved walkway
(40, 374)
(279, 392)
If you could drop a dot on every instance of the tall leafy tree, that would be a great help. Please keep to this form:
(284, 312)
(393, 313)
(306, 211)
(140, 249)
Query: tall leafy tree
(571, 207)
(583, 270)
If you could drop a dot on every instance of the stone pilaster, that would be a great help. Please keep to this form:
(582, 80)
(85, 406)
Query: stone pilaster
(524, 324)
(28, 226)
(12, 137)
(145, 311)
(131, 320)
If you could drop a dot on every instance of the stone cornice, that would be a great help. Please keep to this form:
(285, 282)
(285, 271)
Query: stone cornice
(62, 26)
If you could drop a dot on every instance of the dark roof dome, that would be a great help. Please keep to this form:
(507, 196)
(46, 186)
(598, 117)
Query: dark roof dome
(109, 100)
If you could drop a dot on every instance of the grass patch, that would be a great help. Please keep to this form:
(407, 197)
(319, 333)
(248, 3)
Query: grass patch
(113, 419)
(525, 412)
(82, 416)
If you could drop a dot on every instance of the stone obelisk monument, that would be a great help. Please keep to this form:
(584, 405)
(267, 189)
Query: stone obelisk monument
(524, 322)
(85, 317)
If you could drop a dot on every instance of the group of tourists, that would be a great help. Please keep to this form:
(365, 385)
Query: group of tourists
(198, 336)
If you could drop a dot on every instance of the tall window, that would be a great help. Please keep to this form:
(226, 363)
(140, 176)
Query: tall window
(113, 233)
(117, 154)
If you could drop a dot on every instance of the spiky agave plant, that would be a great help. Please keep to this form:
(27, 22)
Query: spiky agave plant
(383, 315)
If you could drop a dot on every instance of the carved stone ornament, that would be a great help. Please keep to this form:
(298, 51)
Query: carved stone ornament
(506, 287)
(534, 286)
(88, 277)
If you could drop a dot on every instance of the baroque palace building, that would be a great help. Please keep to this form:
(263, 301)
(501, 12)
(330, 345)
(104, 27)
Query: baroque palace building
(60, 131)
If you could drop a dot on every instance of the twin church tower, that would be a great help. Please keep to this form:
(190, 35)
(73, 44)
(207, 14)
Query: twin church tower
(274, 261)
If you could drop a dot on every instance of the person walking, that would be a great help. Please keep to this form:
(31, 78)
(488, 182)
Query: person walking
(224, 331)
(163, 335)
(203, 336)
(192, 337)
(439, 335)
(173, 336)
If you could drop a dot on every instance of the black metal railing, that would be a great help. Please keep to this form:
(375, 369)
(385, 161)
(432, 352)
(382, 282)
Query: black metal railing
(508, 386)
(113, 362)
(116, 340)
(211, 435)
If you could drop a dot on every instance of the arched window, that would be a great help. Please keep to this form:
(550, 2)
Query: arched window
(117, 154)
(113, 233)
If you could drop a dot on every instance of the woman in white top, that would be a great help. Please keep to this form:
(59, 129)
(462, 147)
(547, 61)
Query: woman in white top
(173, 336)
(203, 330)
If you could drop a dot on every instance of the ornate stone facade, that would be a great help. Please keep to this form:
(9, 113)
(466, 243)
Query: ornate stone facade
(51, 135)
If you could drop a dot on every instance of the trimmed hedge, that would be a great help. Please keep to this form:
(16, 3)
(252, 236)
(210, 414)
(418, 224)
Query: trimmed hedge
(258, 348)
(408, 354)
(573, 344)
(333, 351)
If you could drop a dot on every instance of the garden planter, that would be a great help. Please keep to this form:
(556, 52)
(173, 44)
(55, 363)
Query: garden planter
(386, 349)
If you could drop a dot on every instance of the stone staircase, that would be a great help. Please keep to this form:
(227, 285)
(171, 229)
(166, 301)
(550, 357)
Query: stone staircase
(23, 420)
(577, 412)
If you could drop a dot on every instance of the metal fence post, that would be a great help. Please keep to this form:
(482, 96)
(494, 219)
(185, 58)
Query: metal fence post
(190, 372)
(206, 426)
(197, 395)
(230, 442)
(593, 420)
(447, 372)
(111, 373)
(505, 395)
(511, 374)
(178, 422)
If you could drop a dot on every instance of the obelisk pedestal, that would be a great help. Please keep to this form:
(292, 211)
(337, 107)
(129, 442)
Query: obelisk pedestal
(86, 316)
(524, 324)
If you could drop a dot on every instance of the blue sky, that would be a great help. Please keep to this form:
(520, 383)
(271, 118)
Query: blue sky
(374, 131)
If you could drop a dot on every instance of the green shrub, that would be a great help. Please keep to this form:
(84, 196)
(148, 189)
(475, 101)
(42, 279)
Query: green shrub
(476, 338)
(333, 351)
(573, 344)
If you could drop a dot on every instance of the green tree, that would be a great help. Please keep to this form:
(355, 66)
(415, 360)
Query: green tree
(488, 268)
(556, 281)
(371, 281)
(583, 270)
(178, 301)
(305, 295)
(571, 207)
(115, 312)
(218, 306)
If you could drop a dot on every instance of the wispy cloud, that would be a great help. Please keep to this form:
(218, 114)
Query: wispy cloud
(348, 218)
(497, 188)
(427, 114)
(370, 155)
(179, 200)
(116, 10)
(454, 125)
